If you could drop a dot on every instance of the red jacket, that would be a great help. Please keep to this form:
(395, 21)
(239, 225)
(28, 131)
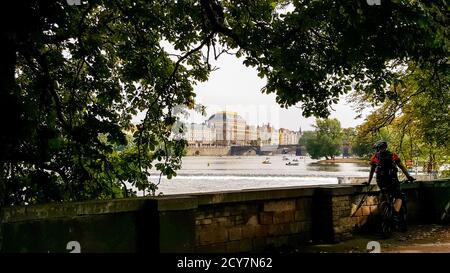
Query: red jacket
(374, 159)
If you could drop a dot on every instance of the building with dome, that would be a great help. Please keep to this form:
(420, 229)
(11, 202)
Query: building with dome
(230, 128)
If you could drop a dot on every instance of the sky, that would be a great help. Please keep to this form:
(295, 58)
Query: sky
(235, 87)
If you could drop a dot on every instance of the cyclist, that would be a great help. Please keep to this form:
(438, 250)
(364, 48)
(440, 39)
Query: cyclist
(384, 163)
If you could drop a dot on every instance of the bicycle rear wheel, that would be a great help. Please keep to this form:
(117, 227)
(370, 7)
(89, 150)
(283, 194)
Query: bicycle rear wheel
(386, 218)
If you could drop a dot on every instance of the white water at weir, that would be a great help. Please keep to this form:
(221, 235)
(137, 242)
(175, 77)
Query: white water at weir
(208, 174)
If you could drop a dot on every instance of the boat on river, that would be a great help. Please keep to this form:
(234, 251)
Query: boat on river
(267, 161)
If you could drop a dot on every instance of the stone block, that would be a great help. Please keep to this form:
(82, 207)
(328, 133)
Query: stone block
(209, 214)
(239, 220)
(218, 213)
(253, 220)
(280, 229)
(213, 235)
(235, 233)
(239, 246)
(254, 231)
(266, 218)
(206, 221)
(340, 200)
(212, 248)
(302, 215)
(283, 217)
(261, 231)
(303, 203)
(220, 219)
(278, 241)
(199, 215)
(284, 205)
(296, 227)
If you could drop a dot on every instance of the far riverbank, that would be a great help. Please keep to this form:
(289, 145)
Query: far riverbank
(344, 160)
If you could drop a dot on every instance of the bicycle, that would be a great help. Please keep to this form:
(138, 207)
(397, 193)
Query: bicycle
(386, 211)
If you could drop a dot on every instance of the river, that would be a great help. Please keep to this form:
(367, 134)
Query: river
(207, 174)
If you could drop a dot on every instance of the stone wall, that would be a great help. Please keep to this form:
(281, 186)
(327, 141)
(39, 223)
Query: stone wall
(234, 221)
(353, 208)
(255, 226)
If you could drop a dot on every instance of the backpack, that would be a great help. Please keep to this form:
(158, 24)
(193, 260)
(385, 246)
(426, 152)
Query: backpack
(386, 169)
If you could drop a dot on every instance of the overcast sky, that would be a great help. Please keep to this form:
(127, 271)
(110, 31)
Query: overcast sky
(235, 87)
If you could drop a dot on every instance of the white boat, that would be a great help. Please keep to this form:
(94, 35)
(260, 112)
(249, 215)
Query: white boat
(267, 161)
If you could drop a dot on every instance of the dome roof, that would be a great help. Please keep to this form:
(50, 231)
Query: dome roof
(229, 116)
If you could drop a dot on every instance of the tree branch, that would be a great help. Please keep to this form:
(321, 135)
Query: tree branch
(212, 13)
(49, 83)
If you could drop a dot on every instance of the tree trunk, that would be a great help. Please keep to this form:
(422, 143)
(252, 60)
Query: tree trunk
(9, 114)
(8, 119)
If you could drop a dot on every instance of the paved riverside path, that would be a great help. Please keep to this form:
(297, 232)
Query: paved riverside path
(418, 239)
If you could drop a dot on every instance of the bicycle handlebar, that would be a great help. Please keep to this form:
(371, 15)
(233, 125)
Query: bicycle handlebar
(404, 181)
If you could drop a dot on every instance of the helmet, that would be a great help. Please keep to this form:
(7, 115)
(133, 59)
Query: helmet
(379, 145)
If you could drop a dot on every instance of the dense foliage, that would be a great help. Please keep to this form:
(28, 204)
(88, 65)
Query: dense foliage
(415, 119)
(325, 141)
(73, 76)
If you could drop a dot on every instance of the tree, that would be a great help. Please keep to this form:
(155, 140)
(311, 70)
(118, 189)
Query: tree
(309, 140)
(415, 117)
(325, 141)
(347, 135)
(73, 77)
(323, 49)
(362, 149)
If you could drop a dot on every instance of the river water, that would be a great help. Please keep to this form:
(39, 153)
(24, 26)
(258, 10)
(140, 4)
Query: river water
(207, 174)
